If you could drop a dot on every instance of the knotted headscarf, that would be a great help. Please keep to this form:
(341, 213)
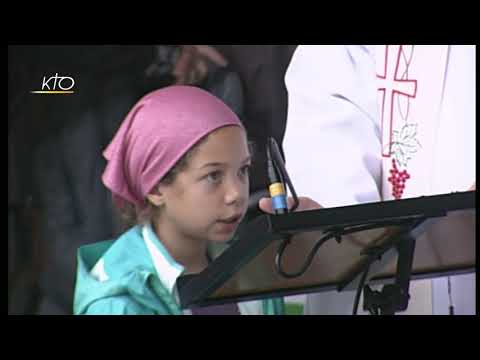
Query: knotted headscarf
(157, 132)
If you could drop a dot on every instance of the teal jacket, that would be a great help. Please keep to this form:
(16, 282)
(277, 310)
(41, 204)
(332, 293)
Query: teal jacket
(129, 284)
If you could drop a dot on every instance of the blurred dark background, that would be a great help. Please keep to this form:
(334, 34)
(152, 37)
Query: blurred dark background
(56, 201)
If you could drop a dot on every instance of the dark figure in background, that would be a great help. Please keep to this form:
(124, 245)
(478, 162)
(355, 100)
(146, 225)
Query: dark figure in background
(199, 65)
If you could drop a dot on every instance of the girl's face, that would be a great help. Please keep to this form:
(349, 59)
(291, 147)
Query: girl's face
(209, 198)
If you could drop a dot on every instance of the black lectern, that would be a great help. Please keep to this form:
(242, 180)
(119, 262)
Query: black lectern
(432, 236)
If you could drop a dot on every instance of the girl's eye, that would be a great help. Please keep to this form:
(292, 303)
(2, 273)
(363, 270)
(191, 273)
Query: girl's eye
(245, 170)
(214, 177)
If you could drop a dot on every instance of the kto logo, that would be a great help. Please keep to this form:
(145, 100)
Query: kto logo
(56, 85)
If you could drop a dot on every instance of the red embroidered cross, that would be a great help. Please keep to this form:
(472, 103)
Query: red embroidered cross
(389, 84)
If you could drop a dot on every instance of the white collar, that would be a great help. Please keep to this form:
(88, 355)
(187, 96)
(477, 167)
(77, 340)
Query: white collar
(168, 270)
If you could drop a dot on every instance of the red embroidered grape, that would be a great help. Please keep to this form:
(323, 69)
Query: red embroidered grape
(397, 179)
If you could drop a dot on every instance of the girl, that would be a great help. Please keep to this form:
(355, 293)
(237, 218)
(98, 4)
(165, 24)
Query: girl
(180, 161)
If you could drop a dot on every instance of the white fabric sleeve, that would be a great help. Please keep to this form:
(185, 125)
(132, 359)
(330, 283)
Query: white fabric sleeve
(332, 142)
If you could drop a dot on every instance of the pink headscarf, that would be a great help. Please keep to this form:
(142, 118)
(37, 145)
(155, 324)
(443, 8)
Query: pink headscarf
(156, 133)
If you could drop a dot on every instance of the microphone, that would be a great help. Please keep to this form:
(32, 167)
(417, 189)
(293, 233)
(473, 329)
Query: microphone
(276, 187)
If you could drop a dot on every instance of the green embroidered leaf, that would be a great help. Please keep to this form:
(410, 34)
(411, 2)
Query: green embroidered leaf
(409, 131)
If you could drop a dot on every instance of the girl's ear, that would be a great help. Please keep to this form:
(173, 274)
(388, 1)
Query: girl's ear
(156, 197)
